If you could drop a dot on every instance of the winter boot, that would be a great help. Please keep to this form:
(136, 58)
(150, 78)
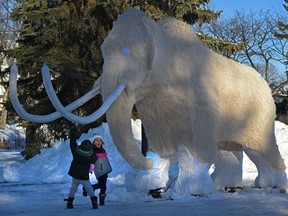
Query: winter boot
(69, 202)
(94, 202)
(84, 192)
(102, 199)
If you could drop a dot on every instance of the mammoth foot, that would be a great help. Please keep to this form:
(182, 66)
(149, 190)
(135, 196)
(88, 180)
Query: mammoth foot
(155, 178)
(228, 170)
(268, 176)
(271, 178)
(194, 178)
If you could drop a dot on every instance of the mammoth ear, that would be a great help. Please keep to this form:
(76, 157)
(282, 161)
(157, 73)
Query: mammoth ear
(151, 29)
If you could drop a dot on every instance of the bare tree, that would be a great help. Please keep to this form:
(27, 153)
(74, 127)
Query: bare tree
(262, 50)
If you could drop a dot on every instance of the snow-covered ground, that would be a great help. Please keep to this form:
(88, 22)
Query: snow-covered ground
(38, 186)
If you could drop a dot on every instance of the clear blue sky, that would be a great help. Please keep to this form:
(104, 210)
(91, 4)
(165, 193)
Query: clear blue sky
(229, 6)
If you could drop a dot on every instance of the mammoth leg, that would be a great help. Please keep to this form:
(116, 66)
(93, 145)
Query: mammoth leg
(268, 161)
(42, 118)
(193, 176)
(228, 169)
(268, 176)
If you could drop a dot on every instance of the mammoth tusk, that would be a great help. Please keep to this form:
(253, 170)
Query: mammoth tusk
(66, 113)
(42, 118)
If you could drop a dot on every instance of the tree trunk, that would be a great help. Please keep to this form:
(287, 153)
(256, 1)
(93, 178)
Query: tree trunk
(32, 146)
(3, 119)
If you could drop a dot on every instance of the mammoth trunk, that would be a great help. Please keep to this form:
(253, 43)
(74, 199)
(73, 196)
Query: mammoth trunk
(119, 120)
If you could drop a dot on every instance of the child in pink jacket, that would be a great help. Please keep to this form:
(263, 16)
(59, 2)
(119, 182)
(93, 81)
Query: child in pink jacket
(102, 168)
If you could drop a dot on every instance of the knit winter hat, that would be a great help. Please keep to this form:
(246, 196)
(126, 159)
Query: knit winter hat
(94, 136)
(85, 148)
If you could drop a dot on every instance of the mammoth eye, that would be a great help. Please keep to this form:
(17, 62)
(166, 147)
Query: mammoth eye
(126, 51)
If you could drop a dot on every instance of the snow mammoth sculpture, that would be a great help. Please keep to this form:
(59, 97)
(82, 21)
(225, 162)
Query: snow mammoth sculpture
(192, 102)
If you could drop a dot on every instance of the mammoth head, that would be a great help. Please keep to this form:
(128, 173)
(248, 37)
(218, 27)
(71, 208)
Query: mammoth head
(129, 51)
(129, 55)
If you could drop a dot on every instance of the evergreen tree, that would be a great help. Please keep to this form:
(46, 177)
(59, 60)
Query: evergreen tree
(66, 35)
